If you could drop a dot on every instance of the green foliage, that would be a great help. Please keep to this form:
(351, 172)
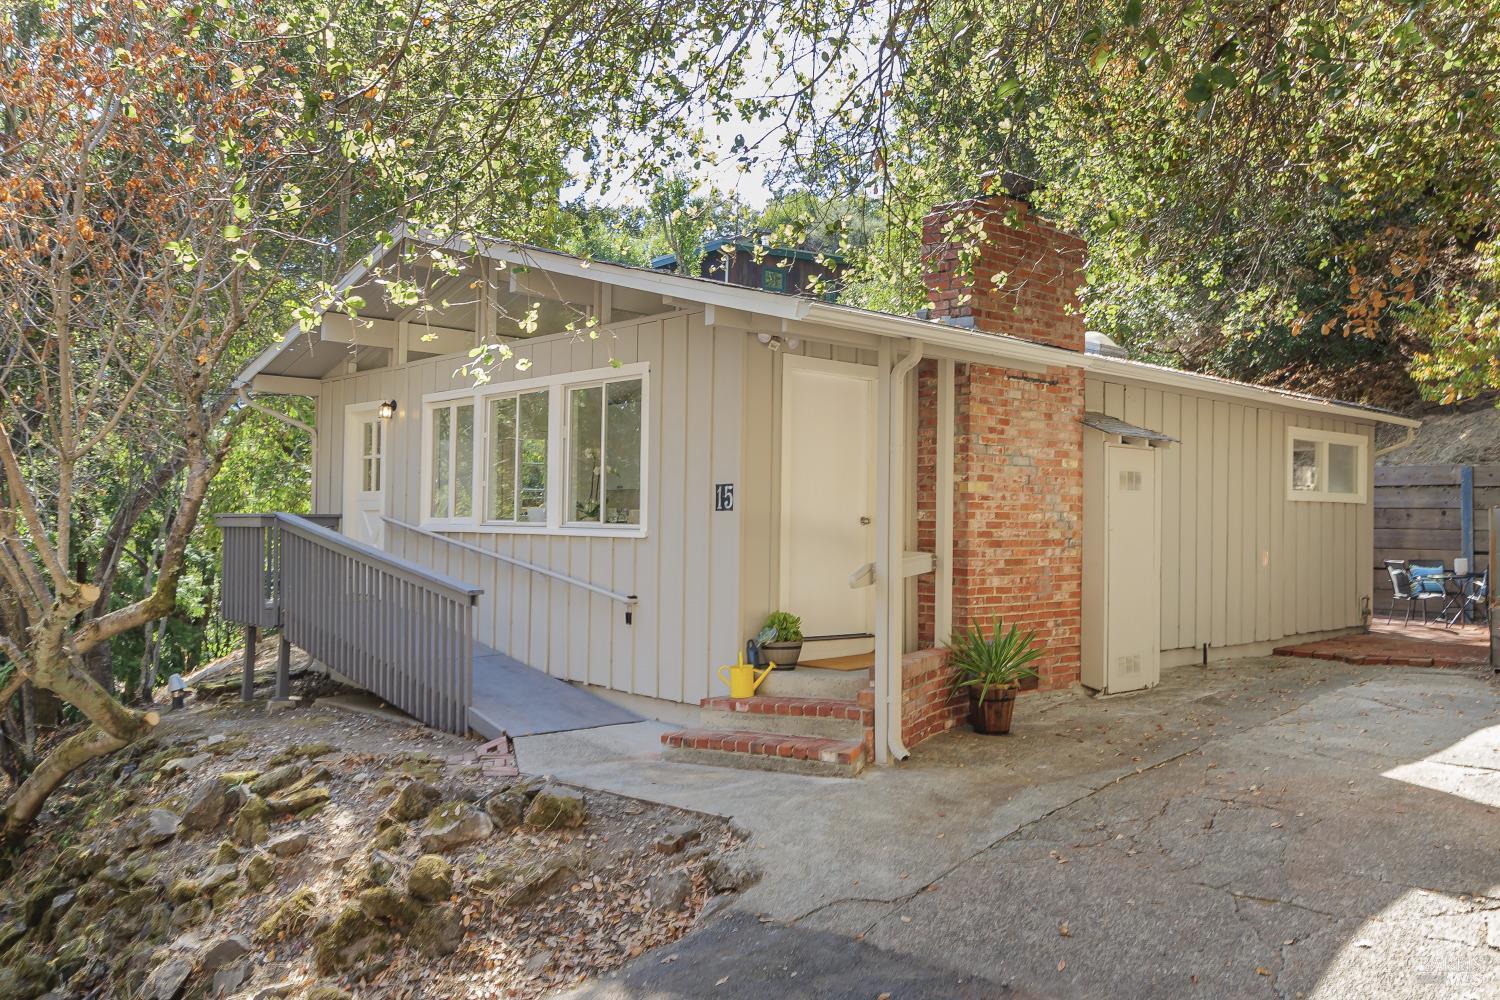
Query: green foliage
(781, 626)
(1249, 178)
(987, 663)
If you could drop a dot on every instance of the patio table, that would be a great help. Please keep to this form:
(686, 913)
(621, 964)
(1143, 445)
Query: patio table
(1456, 598)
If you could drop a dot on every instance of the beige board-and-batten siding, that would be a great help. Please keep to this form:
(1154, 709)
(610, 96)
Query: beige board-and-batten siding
(1242, 564)
(685, 570)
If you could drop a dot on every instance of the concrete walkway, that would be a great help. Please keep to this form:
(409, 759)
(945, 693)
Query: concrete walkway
(1274, 828)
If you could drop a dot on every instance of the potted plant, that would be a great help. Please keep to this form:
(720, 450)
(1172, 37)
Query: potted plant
(992, 667)
(780, 639)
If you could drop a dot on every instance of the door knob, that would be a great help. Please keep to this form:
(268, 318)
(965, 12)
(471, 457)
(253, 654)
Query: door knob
(864, 519)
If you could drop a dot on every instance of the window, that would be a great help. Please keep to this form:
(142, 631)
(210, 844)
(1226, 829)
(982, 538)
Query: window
(558, 454)
(1325, 465)
(604, 452)
(450, 483)
(518, 458)
(773, 279)
(370, 457)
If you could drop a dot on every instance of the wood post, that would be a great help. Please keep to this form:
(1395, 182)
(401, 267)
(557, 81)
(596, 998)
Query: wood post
(247, 685)
(1466, 514)
(283, 669)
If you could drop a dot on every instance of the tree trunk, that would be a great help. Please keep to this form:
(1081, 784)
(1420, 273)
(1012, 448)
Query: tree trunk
(25, 802)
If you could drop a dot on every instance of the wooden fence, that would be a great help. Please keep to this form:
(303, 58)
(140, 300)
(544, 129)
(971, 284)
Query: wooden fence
(1432, 512)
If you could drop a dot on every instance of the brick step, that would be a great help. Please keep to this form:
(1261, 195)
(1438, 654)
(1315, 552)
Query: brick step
(765, 751)
(831, 718)
(814, 682)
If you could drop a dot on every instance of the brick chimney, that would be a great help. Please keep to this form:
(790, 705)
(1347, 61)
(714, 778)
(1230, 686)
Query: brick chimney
(1018, 435)
(991, 264)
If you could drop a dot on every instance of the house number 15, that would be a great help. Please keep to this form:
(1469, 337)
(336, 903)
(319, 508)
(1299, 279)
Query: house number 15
(723, 496)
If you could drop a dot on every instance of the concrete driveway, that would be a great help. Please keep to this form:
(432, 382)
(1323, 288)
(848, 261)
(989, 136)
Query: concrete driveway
(1275, 828)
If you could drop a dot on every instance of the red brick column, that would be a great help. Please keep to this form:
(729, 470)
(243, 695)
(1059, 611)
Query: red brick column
(1018, 494)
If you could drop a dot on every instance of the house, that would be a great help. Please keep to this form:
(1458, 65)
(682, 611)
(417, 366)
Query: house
(623, 511)
(752, 263)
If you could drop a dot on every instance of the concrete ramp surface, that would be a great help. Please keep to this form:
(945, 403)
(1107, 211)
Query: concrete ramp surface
(517, 700)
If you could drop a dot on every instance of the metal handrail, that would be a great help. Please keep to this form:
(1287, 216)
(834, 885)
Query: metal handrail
(354, 547)
(629, 600)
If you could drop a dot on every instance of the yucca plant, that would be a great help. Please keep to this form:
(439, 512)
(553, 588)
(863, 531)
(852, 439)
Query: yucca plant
(992, 665)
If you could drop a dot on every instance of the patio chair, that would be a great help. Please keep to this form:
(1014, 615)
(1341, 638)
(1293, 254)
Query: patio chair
(1475, 601)
(1405, 588)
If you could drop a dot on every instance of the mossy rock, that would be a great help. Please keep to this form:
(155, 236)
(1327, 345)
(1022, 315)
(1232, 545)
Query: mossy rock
(10, 933)
(326, 992)
(311, 811)
(438, 931)
(430, 878)
(415, 800)
(26, 978)
(390, 838)
(276, 779)
(232, 778)
(301, 751)
(381, 902)
(555, 807)
(260, 871)
(226, 894)
(299, 802)
(252, 824)
(346, 943)
(292, 916)
(72, 956)
(190, 914)
(316, 776)
(226, 854)
(233, 744)
(182, 890)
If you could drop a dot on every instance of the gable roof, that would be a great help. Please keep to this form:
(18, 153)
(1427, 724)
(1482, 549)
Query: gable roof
(992, 347)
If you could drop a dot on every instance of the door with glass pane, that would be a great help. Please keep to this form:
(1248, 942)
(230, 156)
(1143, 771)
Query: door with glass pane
(364, 475)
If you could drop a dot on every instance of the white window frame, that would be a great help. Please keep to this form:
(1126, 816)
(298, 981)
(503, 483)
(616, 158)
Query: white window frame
(1322, 439)
(557, 387)
(487, 399)
(566, 457)
(430, 405)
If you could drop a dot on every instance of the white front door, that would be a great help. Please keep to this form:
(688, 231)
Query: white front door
(1132, 653)
(364, 474)
(827, 496)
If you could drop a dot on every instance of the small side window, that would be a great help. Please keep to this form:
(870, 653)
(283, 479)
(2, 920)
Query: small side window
(1325, 465)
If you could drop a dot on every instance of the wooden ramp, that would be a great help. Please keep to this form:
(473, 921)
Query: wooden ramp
(517, 700)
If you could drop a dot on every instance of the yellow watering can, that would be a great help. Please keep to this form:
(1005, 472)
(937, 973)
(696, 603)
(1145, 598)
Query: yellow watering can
(742, 678)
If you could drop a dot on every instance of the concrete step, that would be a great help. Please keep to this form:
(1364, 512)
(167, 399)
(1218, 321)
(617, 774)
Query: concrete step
(829, 718)
(765, 751)
(815, 682)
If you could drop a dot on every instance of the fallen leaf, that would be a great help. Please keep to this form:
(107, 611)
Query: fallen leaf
(1062, 963)
(1062, 929)
(1261, 970)
(722, 981)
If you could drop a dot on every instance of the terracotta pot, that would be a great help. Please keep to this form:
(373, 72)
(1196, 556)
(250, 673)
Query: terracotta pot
(993, 716)
(783, 654)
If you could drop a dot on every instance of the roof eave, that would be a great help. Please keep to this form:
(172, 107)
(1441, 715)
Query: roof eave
(1103, 365)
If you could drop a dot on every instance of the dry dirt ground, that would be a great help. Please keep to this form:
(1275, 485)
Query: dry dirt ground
(240, 853)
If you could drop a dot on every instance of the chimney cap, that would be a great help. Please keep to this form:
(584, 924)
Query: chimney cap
(1010, 184)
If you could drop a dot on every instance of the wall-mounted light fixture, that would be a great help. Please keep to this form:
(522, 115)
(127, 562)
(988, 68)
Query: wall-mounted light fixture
(387, 409)
(776, 343)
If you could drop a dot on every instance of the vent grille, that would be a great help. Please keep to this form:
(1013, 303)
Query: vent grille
(1129, 666)
(1130, 481)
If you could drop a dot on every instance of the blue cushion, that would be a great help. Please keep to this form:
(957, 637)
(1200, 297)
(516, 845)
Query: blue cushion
(1425, 577)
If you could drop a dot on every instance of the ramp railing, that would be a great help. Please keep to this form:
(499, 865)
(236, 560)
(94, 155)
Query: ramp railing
(390, 626)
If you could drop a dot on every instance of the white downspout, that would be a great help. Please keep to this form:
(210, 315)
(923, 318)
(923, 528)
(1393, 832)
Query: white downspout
(1411, 433)
(891, 577)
